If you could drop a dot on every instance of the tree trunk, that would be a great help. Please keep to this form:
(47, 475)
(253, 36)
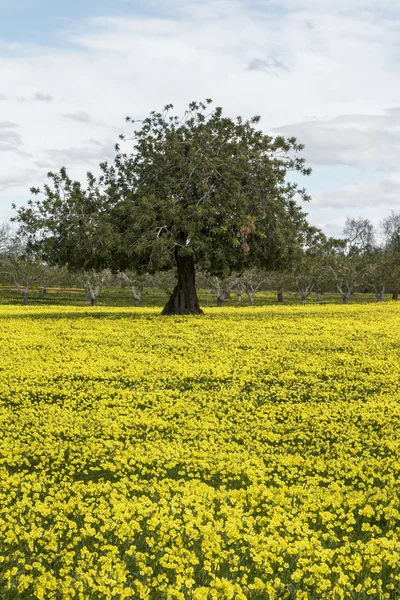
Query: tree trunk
(318, 297)
(280, 295)
(44, 292)
(303, 300)
(345, 299)
(137, 295)
(183, 300)
(395, 295)
(24, 297)
(239, 296)
(380, 295)
(220, 299)
(93, 301)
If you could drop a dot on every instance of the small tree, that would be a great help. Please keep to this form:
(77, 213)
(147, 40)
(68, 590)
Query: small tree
(278, 281)
(306, 276)
(221, 285)
(93, 281)
(240, 289)
(359, 235)
(50, 276)
(252, 280)
(390, 228)
(136, 284)
(376, 272)
(345, 274)
(24, 269)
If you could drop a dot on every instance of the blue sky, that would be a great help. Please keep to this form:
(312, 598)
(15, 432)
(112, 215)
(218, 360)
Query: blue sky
(41, 21)
(325, 72)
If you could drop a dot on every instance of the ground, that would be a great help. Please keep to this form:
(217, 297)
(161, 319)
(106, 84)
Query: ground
(246, 453)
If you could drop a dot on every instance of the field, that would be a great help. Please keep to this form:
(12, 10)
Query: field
(157, 298)
(244, 454)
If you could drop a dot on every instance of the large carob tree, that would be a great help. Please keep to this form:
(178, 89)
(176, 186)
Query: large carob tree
(199, 191)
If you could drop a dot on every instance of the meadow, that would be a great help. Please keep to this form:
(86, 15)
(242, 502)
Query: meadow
(250, 453)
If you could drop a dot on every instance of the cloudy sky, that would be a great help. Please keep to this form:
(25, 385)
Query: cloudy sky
(326, 72)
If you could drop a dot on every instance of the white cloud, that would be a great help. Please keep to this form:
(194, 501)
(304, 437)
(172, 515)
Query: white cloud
(335, 61)
(384, 194)
(89, 154)
(18, 178)
(81, 117)
(370, 142)
(40, 97)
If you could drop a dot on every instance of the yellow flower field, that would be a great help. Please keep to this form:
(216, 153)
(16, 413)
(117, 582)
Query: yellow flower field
(246, 454)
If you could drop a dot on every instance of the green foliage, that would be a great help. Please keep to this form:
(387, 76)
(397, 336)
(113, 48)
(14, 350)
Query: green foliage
(205, 186)
(68, 225)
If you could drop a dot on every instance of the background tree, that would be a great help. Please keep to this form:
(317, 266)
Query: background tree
(221, 285)
(359, 235)
(341, 259)
(278, 281)
(93, 281)
(49, 277)
(203, 191)
(306, 275)
(390, 229)
(135, 282)
(24, 268)
(375, 269)
(252, 280)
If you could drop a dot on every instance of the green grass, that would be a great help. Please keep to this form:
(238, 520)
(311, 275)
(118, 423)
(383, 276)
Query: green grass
(157, 297)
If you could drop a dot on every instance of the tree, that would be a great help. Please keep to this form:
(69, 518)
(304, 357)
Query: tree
(6, 238)
(306, 276)
(278, 281)
(359, 235)
(49, 276)
(376, 272)
(136, 284)
(252, 280)
(390, 227)
(222, 286)
(344, 272)
(202, 191)
(93, 281)
(23, 268)
(239, 290)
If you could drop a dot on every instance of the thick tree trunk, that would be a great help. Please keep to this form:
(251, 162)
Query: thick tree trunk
(239, 297)
(137, 301)
(345, 299)
(280, 295)
(318, 297)
(303, 300)
(93, 301)
(380, 295)
(24, 297)
(183, 300)
(395, 295)
(44, 292)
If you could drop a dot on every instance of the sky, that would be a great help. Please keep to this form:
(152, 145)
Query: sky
(325, 72)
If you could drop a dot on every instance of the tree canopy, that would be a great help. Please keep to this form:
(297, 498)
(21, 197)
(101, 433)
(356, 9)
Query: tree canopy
(199, 191)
